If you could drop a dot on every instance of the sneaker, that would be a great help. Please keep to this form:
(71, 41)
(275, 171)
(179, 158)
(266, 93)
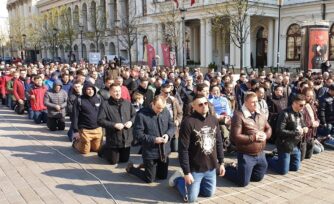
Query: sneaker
(175, 175)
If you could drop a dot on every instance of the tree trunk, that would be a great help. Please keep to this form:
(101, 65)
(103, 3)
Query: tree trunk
(241, 57)
(130, 58)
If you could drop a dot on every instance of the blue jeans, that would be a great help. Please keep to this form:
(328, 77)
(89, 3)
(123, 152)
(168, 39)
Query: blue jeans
(40, 116)
(250, 168)
(286, 161)
(9, 100)
(70, 133)
(204, 185)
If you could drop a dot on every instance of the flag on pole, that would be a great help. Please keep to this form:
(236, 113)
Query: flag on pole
(150, 54)
(192, 2)
(177, 3)
(166, 54)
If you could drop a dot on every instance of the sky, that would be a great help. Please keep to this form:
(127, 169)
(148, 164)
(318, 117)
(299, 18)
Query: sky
(3, 14)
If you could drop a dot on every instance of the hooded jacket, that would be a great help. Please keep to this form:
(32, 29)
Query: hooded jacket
(19, 89)
(53, 98)
(37, 104)
(85, 110)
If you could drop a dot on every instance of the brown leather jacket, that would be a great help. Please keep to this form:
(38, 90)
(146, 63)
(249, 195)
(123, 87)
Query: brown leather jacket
(244, 129)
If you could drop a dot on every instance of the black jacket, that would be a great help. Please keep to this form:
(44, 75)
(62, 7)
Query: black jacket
(104, 93)
(112, 112)
(148, 125)
(326, 109)
(286, 130)
(70, 102)
(148, 95)
(85, 110)
(200, 143)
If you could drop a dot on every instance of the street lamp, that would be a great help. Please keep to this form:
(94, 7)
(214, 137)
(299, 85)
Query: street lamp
(23, 47)
(117, 21)
(280, 4)
(81, 28)
(97, 34)
(11, 46)
(55, 31)
(183, 11)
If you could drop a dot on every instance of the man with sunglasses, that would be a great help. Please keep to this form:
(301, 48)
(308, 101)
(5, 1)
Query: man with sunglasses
(200, 151)
(290, 129)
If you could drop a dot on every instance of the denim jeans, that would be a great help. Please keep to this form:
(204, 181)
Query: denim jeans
(9, 100)
(286, 161)
(250, 168)
(40, 116)
(204, 185)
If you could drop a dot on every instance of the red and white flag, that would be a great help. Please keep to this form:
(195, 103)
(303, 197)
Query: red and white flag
(150, 54)
(177, 3)
(192, 2)
(166, 54)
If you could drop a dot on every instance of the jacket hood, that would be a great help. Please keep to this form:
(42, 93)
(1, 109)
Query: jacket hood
(57, 83)
(86, 85)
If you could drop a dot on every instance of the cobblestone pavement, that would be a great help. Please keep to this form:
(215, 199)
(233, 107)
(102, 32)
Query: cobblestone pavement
(39, 166)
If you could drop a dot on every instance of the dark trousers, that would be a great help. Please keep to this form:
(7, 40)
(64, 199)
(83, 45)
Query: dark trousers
(56, 123)
(154, 169)
(250, 168)
(116, 155)
(306, 149)
(40, 116)
(19, 108)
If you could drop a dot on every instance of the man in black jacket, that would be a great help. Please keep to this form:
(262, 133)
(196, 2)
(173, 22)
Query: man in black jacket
(116, 116)
(153, 128)
(87, 133)
(200, 151)
(290, 130)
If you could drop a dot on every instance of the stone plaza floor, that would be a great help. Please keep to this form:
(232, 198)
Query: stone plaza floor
(39, 166)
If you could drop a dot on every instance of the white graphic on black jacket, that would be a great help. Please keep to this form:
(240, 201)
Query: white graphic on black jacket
(206, 137)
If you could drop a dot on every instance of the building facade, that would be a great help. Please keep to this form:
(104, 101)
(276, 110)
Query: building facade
(198, 41)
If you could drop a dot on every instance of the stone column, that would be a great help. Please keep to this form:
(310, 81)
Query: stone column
(196, 44)
(111, 14)
(203, 43)
(247, 46)
(208, 42)
(270, 49)
(158, 50)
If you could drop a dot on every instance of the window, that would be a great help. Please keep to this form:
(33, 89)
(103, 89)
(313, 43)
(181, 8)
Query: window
(331, 43)
(293, 43)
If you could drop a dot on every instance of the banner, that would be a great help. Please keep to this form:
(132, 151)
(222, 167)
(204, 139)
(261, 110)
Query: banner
(166, 54)
(192, 2)
(177, 3)
(172, 59)
(150, 54)
(94, 57)
(318, 47)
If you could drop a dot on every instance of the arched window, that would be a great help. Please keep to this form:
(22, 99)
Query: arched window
(331, 43)
(293, 43)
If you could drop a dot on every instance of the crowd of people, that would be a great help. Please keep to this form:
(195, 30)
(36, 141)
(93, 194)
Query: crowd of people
(163, 110)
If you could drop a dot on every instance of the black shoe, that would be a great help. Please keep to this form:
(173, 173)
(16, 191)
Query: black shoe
(269, 155)
(73, 141)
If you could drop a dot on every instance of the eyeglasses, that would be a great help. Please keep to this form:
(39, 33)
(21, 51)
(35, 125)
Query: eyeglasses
(203, 104)
(301, 105)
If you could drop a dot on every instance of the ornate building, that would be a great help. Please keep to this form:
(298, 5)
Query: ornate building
(201, 43)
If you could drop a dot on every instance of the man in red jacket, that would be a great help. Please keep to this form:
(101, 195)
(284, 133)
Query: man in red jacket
(19, 92)
(37, 100)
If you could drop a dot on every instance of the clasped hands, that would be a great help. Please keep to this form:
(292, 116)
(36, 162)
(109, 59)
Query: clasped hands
(121, 126)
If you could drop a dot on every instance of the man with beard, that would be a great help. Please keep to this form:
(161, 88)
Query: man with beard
(145, 91)
(87, 133)
(37, 94)
(19, 88)
(117, 116)
(200, 151)
(276, 104)
(56, 101)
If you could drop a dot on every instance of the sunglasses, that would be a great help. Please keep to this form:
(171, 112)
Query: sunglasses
(301, 105)
(166, 92)
(203, 104)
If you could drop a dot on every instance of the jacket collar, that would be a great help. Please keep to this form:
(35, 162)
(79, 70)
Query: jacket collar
(246, 112)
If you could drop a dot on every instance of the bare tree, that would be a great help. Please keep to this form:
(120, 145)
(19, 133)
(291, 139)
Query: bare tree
(67, 31)
(128, 32)
(233, 17)
(170, 17)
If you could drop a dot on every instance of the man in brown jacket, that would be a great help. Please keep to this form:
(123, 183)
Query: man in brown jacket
(249, 132)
